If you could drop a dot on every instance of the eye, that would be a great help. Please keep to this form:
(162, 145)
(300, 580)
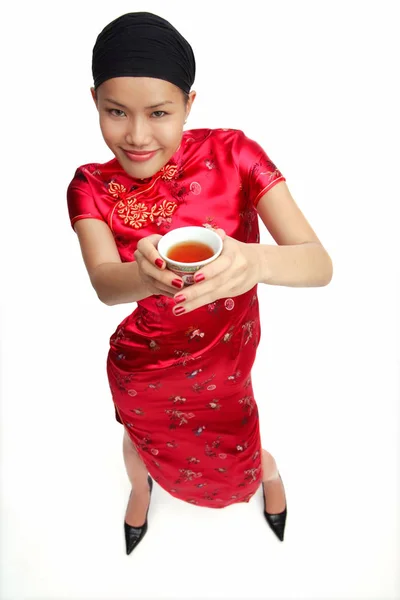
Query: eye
(112, 112)
(157, 114)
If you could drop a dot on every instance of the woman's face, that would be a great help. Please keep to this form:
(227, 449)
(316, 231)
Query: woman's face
(141, 119)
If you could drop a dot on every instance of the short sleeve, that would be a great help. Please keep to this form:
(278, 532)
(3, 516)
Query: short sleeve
(257, 171)
(80, 200)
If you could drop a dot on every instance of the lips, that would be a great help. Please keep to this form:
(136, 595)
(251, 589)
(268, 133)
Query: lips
(141, 156)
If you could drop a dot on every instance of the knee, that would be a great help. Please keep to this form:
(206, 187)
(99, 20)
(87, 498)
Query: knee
(127, 443)
(268, 462)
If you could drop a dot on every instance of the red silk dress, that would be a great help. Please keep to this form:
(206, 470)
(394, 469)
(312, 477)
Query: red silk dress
(182, 386)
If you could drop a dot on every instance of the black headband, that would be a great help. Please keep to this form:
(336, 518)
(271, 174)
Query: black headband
(143, 45)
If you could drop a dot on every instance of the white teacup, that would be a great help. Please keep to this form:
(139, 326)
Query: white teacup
(185, 270)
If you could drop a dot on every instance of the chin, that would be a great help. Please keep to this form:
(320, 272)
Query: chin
(141, 173)
(138, 171)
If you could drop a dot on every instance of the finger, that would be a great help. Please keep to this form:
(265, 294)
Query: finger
(147, 246)
(218, 266)
(159, 288)
(196, 296)
(221, 233)
(169, 280)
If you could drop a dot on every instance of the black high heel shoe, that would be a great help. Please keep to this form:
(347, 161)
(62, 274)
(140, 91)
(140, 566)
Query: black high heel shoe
(276, 522)
(134, 535)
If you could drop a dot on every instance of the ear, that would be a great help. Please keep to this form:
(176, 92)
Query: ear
(192, 96)
(94, 95)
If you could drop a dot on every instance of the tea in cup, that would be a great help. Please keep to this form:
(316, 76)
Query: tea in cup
(187, 249)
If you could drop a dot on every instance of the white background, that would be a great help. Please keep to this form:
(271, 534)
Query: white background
(315, 84)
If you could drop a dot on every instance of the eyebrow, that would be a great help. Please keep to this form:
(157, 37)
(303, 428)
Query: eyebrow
(153, 106)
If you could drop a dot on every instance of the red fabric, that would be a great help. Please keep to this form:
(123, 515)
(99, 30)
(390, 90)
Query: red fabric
(182, 385)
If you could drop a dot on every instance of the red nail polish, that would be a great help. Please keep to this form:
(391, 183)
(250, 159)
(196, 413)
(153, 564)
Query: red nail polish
(179, 298)
(179, 310)
(199, 277)
(178, 283)
(159, 263)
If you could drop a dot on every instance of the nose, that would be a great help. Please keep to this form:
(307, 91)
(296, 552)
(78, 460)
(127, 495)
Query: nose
(139, 133)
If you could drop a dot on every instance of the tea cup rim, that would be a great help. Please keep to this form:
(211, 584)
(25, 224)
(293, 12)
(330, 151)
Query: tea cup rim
(199, 264)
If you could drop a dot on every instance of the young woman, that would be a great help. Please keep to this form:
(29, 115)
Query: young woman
(179, 365)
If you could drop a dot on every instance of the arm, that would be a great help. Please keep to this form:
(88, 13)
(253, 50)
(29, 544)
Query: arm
(119, 283)
(115, 282)
(299, 259)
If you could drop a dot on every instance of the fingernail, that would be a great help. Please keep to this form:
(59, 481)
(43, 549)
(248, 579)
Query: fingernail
(199, 277)
(159, 263)
(178, 283)
(179, 310)
(179, 298)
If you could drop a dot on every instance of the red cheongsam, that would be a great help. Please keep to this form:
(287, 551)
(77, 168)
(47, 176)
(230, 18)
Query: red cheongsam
(182, 386)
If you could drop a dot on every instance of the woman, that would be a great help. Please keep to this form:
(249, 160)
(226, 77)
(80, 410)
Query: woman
(179, 366)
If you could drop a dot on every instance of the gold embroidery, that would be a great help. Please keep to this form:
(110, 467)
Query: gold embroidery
(166, 208)
(133, 214)
(169, 171)
(116, 189)
(138, 214)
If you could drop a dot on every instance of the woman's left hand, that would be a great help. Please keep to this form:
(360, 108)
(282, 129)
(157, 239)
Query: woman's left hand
(234, 272)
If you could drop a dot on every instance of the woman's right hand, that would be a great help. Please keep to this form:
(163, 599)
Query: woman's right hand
(152, 268)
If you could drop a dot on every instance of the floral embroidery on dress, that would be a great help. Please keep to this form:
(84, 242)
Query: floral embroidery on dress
(233, 378)
(138, 214)
(248, 327)
(192, 460)
(228, 335)
(251, 474)
(188, 475)
(169, 172)
(214, 404)
(155, 386)
(194, 333)
(248, 404)
(172, 444)
(177, 399)
(271, 170)
(199, 387)
(119, 335)
(210, 223)
(210, 164)
(164, 222)
(92, 168)
(213, 307)
(154, 346)
(249, 218)
(198, 430)
(121, 381)
(178, 415)
(192, 374)
(242, 446)
(184, 357)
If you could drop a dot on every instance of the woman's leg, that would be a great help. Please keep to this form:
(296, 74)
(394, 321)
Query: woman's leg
(275, 500)
(137, 473)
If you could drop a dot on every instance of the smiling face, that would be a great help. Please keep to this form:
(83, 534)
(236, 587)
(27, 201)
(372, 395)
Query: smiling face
(141, 119)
